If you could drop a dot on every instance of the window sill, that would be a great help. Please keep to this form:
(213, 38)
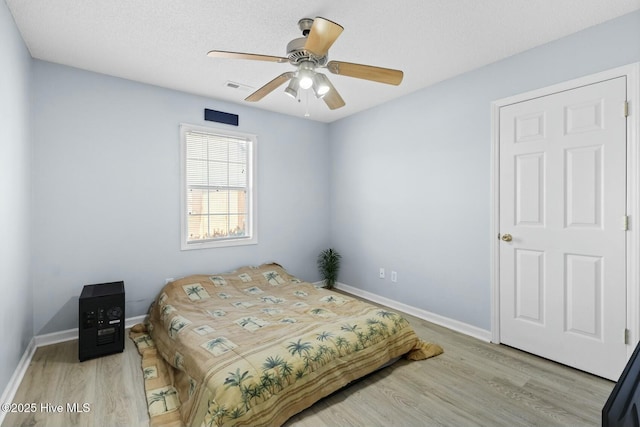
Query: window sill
(219, 243)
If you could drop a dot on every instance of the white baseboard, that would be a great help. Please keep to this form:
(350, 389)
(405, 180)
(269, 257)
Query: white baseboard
(11, 388)
(464, 328)
(72, 334)
(134, 321)
(41, 341)
(56, 337)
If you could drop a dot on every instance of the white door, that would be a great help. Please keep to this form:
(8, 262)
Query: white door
(562, 225)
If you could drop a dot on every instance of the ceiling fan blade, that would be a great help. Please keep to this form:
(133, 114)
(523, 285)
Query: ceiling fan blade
(240, 55)
(322, 35)
(366, 72)
(270, 87)
(333, 98)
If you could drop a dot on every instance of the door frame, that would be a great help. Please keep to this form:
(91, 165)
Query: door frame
(632, 72)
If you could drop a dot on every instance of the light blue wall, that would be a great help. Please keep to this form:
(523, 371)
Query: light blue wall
(107, 190)
(16, 296)
(411, 179)
(407, 186)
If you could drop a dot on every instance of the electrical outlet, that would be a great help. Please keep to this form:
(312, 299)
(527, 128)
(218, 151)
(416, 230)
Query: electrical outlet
(381, 272)
(394, 276)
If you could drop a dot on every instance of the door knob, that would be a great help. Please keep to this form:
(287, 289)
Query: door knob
(507, 237)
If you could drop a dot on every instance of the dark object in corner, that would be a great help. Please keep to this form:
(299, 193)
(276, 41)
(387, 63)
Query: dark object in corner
(101, 320)
(623, 404)
(220, 117)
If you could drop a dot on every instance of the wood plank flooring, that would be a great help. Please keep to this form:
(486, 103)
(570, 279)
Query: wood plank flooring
(472, 384)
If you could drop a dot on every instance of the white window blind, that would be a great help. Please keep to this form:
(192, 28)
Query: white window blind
(218, 183)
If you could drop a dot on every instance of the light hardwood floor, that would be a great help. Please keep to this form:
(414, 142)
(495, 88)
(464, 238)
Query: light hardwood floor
(472, 384)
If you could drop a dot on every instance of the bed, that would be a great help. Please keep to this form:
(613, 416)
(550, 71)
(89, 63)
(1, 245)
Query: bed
(257, 345)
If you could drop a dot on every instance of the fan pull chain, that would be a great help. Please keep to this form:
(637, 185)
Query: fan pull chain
(306, 113)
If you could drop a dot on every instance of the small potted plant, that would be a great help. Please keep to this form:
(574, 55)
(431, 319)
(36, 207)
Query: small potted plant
(328, 265)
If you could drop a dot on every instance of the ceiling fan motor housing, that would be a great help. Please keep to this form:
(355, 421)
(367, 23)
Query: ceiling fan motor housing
(297, 53)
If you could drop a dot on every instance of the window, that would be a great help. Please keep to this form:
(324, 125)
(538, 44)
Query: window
(218, 188)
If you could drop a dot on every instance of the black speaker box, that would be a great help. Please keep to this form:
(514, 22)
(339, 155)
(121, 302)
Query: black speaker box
(101, 320)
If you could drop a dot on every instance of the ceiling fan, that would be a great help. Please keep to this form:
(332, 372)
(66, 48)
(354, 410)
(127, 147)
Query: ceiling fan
(308, 54)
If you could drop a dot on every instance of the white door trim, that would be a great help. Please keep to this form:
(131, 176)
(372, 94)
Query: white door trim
(632, 72)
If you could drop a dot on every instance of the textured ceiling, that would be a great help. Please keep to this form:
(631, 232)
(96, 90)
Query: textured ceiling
(164, 42)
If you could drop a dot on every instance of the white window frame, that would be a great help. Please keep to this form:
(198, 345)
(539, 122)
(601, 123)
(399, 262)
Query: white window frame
(251, 237)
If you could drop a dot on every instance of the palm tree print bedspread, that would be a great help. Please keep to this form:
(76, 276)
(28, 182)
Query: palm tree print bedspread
(257, 345)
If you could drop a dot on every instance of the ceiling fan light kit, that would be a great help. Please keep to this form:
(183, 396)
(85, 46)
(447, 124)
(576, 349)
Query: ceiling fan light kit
(309, 53)
(320, 85)
(305, 74)
(292, 89)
